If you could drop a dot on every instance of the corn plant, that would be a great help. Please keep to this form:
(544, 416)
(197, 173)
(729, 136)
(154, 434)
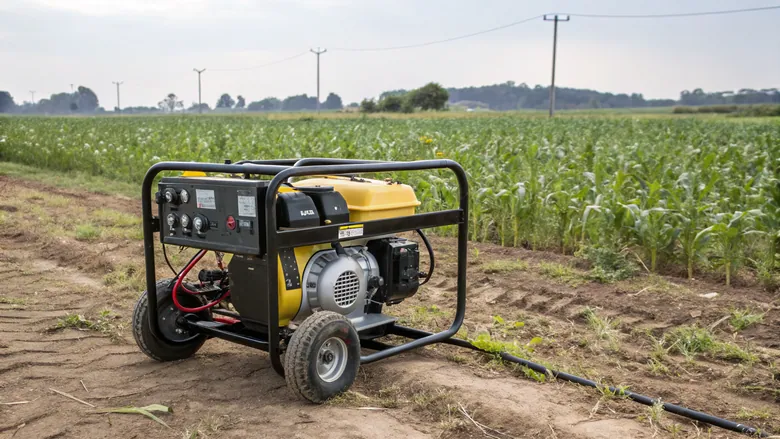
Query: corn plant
(730, 232)
(667, 188)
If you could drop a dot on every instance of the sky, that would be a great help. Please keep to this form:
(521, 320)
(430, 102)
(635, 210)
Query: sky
(152, 46)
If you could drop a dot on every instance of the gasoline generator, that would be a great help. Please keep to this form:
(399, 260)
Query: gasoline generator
(308, 253)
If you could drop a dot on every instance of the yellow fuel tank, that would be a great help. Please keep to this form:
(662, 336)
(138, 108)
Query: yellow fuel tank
(370, 199)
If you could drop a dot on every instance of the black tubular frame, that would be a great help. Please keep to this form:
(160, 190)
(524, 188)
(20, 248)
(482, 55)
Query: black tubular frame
(282, 170)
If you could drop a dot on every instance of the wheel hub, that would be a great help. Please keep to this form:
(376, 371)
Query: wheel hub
(332, 359)
(170, 317)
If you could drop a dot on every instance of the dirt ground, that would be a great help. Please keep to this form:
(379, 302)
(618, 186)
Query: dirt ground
(68, 253)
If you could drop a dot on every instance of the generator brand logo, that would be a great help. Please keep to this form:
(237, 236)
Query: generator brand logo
(307, 212)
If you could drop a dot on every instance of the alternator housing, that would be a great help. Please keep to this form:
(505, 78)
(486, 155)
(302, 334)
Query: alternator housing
(338, 282)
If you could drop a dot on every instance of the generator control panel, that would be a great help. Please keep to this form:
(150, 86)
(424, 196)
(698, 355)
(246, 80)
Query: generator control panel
(223, 214)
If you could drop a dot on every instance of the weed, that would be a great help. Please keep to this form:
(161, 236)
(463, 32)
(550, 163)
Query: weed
(608, 265)
(13, 301)
(654, 283)
(87, 232)
(746, 414)
(105, 323)
(732, 352)
(496, 347)
(657, 367)
(125, 278)
(561, 273)
(504, 327)
(608, 394)
(659, 350)
(742, 318)
(692, 340)
(504, 266)
(655, 413)
(456, 358)
(75, 321)
(605, 328)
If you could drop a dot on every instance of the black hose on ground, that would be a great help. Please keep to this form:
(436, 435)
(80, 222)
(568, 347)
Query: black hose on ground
(431, 258)
(636, 397)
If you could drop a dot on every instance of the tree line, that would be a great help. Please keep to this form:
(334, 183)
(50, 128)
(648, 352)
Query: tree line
(512, 96)
(498, 97)
(81, 100)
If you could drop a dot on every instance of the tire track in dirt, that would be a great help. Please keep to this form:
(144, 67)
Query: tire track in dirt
(234, 389)
(221, 378)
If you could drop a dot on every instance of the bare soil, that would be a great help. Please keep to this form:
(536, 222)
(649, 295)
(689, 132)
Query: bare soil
(49, 271)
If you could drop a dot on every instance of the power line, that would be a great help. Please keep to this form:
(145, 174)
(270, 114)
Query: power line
(683, 14)
(289, 58)
(526, 20)
(446, 40)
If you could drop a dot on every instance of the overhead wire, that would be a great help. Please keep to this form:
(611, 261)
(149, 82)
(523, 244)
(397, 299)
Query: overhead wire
(682, 14)
(446, 40)
(279, 61)
(506, 26)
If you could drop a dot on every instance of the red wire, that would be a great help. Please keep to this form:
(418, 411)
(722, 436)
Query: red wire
(228, 320)
(178, 284)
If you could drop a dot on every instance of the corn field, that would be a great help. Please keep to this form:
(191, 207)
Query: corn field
(683, 194)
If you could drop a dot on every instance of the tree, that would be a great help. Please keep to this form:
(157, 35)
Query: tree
(391, 104)
(299, 102)
(170, 103)
(399, 92)
(368, 106)
(267, 104)
(353, 105)
(240, 102)
(225, 101)
(431, 96)
(87, 100)
(333, 102)
(203, 107)
(7, 103)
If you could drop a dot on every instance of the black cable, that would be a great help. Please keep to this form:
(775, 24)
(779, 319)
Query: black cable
(446, 40)
(289, 58)
(431, 258)
(339, 249)
(683, 14)
(636, 397)
(165, 255)
(515, 23)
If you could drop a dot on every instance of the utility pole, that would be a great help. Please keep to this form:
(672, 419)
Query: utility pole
(32, 92)
(71, 89)
(200, 109)
(555, 18)
(318, 52)
(118, 106)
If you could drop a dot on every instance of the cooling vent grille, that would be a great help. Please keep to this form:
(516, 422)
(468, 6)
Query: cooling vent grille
(347, 288)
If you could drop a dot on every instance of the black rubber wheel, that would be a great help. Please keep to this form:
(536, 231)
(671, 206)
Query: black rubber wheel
(168, 314)
(323, 357)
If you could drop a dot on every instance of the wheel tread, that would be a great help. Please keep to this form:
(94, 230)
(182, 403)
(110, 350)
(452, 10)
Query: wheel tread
(295, 359)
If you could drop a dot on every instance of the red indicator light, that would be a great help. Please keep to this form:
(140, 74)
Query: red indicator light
(231, 223)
